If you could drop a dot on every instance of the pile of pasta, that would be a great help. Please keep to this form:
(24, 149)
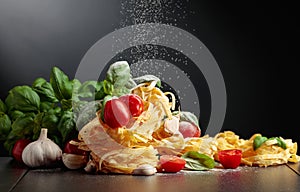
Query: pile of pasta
(148, 129)
(269, 153)
(120, 150)
(124, 149)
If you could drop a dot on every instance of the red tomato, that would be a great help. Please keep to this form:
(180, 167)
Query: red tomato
(231, 158)
(188, 129)
(134, 103)
(170, 164)
(116, 113)
(18, 149)
(73, 149)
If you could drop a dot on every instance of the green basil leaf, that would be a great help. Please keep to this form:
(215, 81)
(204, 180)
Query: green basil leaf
(23, 125)
(281, 143)
(118, 74)
(15, 114)
(87, 113)
(9, 143)
(21, 128)
(108, 87)
(100, 94)
(89, 88)
(121, 91)
(46, 106)
(258, 141)
(61, 84)
(3, 107)
(193, 164)
(5, 126)
(23, 98)
(50, 121)
(44, 90)
(76, 84)
(55, 110)
(66, 104)
(38, 82)
(78, 105)
(197, 161)
(56, 139)
(130, 84)
(67, 125)
(118, 79)
(37, 121)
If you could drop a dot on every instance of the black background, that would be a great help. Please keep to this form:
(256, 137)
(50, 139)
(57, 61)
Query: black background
(251, 41)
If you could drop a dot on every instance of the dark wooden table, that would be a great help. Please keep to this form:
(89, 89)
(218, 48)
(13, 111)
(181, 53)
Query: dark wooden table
(278, 178)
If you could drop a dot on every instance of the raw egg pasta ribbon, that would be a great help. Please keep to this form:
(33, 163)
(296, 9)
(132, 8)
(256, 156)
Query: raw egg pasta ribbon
(149, 93)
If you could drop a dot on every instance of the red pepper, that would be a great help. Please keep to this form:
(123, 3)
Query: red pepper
(231, 158)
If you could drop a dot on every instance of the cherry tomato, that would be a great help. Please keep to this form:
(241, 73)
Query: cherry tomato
(170, 164)
(188, 129)
(230, 159)
(116, 113)
(18, 149)
(73, 149)
(134, 103)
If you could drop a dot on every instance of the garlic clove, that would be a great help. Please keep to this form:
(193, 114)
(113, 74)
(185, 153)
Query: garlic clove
(73, 161)
(90, 167)
(145, 170)
(42, 152)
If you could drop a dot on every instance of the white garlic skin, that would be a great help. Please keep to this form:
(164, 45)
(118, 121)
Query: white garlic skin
(42, 152)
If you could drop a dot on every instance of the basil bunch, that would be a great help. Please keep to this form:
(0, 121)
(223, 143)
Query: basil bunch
(46, 104)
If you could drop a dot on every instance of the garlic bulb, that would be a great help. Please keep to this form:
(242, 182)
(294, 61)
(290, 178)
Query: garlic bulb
(42, 152)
